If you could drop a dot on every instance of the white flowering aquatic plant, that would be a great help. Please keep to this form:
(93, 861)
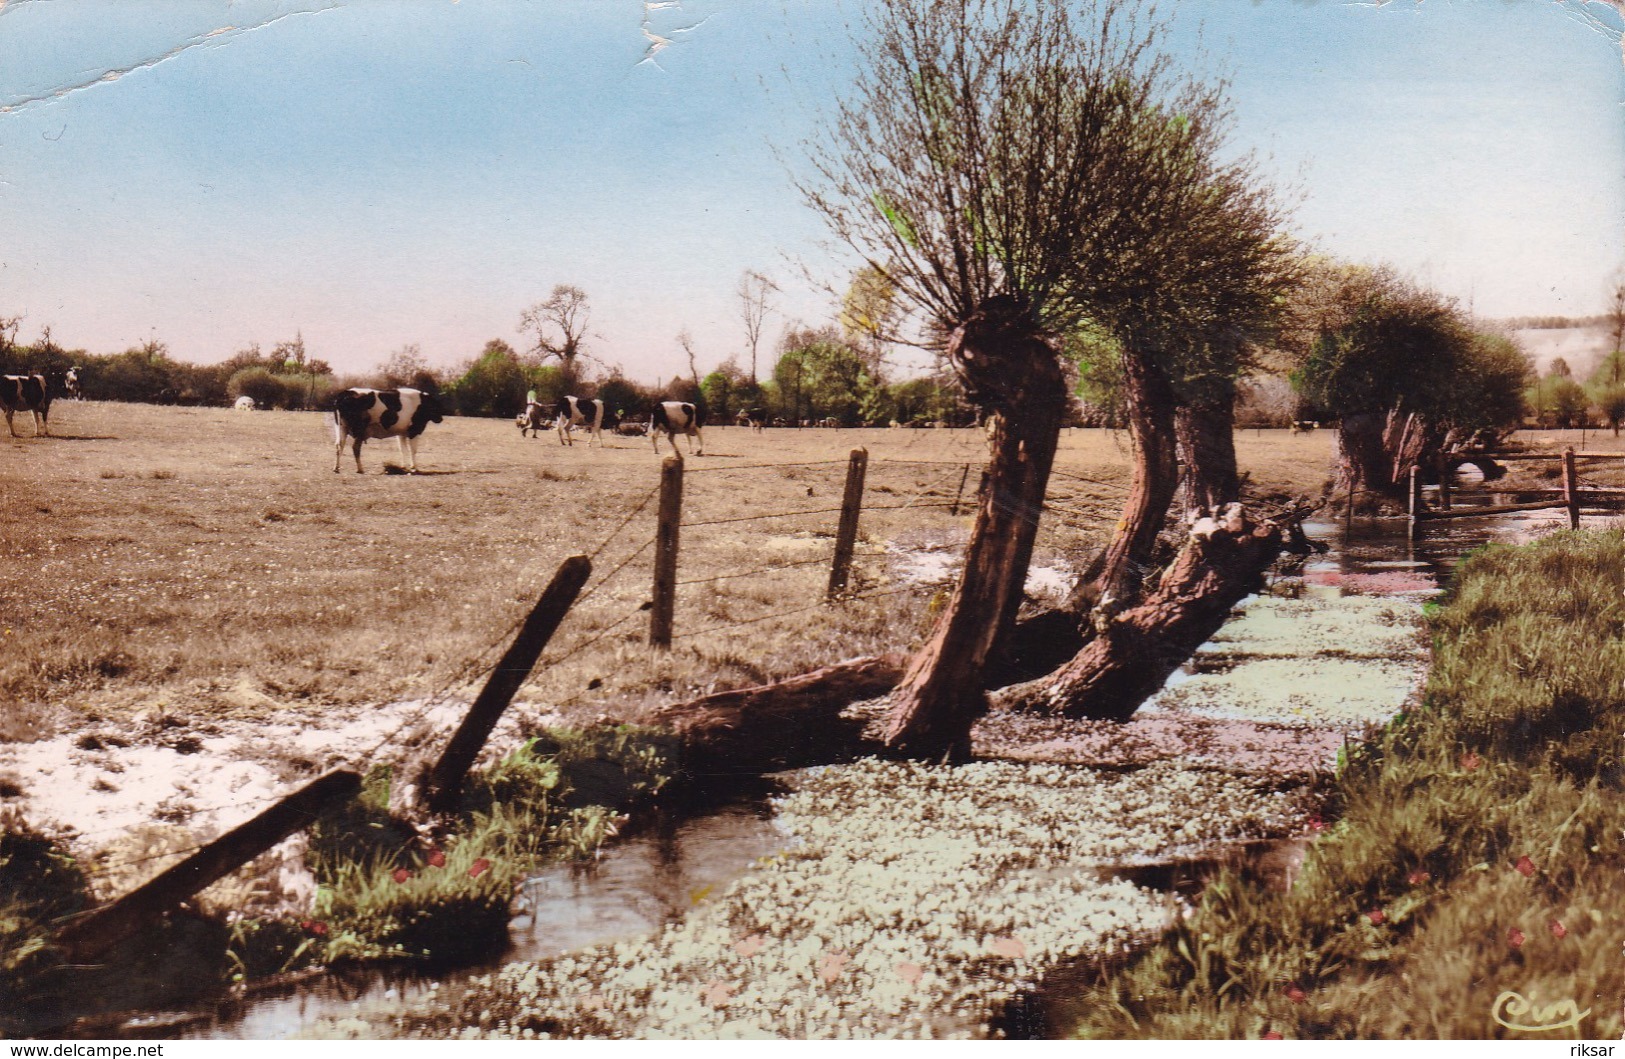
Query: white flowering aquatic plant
(916, 902)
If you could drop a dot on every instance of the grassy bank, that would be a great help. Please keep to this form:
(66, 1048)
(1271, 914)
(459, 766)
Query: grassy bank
(1469, 886)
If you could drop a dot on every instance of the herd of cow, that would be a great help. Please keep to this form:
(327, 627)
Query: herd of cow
(404, 414)
(359, 414)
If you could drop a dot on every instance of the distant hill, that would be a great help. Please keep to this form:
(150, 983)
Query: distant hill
(1582, 347)
(1547, 323)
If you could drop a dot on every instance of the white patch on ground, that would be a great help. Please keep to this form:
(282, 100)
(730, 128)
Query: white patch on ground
(931, 566)
(205, 781)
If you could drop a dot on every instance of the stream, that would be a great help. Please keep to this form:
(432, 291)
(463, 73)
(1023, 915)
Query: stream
(653, 884)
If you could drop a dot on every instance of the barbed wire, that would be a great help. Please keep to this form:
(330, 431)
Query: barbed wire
(812, 607)
(754, 573)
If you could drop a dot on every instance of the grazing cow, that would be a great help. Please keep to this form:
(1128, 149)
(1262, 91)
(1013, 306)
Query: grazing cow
(756, 417)
(831, 422)
(244, 403)
(1303, 426)
(533, 420)
(34, 393)
(580, 412)
(779, 421)
(402, 414)
(676, 417)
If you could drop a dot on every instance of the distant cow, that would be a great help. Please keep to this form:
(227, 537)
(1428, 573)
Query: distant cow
(34, 393)
(533, 420)
(580, 412)
(402, 414)
(830, 421)
(755, 418)
(1304, 426)
(70, 384)
(677, 417)
(244, 403)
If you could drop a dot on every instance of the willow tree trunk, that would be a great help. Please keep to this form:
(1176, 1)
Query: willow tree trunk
(1150, 402)
(1376, 450)
(1014, 376)
(1135, 651)
(1206, 436)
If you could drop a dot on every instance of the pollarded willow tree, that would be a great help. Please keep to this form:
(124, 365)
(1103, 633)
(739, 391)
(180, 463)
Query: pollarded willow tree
(1018, 170)
(1405, 373)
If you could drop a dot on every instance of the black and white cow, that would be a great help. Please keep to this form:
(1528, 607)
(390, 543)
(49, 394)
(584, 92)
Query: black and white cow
(34, 393)
(674, 418)
(588, 414)
(533, 420)
(402, 414)
(755, 417)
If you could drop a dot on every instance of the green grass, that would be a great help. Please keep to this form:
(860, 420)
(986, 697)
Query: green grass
(1478, 851)
(387, 893)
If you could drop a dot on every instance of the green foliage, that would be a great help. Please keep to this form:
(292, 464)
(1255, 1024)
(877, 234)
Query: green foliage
(1515, 755)
(1610, 400)
(622, 397)
(1100, 383)
(1379, 343)
(1558, 400)
(493, 384)
(39, 883)
(384, 895)
(280, 391)
(819, 375)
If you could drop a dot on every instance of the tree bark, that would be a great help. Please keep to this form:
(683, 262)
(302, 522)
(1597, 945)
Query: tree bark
(1150, 402)
(789, 724)
(1013, 375)
(1135, 651)
(1375, 451)
(1206, 438)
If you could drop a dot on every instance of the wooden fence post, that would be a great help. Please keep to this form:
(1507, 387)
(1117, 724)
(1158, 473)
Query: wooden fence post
(1571, 489)
(1415, 506)
(670, 519)
(1446, 472)
(846, 536)
(445, 779)
(100, 929)
(962, 479)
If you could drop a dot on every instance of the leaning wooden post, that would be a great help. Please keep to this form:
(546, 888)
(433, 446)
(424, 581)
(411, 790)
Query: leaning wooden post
(1571, 489)
(445, 779)
(962, 479)
(100, 929)
(846, 536)
(1416, 501)
(669, 520)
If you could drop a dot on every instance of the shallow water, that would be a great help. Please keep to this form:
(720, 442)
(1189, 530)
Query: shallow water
(635, 887)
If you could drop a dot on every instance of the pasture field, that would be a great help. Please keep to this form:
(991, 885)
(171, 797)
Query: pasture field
(208, 563)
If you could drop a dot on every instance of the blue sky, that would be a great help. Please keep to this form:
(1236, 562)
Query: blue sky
(215, 173)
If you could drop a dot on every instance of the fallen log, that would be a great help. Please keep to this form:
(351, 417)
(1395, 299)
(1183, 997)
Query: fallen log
(787, 724)
(798, 722)
(1134, 651)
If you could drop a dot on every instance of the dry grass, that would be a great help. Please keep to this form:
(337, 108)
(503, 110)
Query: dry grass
(207, 563)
